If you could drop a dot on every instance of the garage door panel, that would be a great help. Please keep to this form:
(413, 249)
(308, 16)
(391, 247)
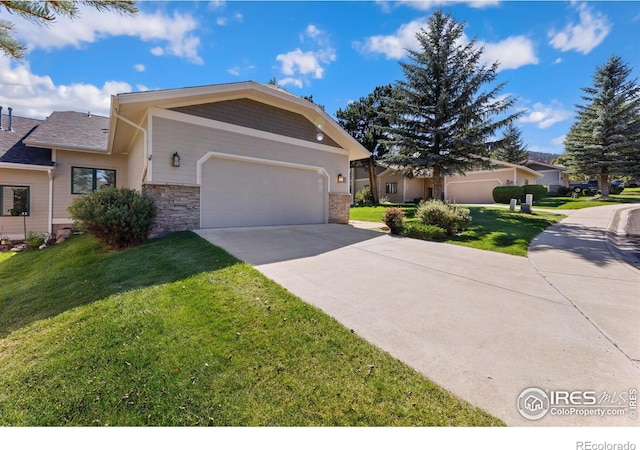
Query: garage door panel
(243, 193)
(480, 191)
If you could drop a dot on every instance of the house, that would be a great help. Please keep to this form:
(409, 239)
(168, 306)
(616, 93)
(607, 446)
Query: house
(553, 175)
(473, 187)
(227, 155)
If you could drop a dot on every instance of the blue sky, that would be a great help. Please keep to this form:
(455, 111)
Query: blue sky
(335, 51)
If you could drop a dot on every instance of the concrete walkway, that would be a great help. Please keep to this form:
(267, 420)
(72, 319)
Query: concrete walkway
(483, 325)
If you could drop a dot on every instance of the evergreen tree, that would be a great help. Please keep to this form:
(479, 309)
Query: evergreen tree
(604, 140)
(363, 121)
(511, 148)
(442, 118)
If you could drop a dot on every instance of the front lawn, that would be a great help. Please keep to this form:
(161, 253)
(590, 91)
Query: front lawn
(494, 229)
(629, 195)
(178, 332)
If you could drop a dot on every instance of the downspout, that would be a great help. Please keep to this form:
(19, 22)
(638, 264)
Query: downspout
(144, 144)
(515, 177)
(50, 225)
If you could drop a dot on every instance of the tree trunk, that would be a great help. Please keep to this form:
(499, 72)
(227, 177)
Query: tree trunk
(604, 184)
(373, 181)
(438, 184)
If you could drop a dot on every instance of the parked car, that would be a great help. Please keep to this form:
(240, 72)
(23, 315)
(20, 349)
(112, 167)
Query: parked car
(587, 188)
(632, 183)
(617, 183)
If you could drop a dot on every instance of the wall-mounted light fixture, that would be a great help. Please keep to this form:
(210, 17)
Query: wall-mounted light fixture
(175, 160)
(319, 133)
(341, 178)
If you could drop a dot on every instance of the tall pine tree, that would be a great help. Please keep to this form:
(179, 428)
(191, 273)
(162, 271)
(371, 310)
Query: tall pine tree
(604, 140)
(363, 120)
(511, 148)
(442, 119)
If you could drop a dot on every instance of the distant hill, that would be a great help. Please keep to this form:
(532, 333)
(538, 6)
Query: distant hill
(542, 156)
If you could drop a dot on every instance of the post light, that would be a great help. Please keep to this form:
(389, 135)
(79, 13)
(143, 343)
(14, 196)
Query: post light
(175, 160)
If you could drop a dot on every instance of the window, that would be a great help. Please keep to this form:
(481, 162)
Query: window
(85, 180)
(14, 200)
(391, 188)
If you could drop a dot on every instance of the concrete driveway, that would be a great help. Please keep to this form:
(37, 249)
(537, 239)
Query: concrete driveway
(483, 325)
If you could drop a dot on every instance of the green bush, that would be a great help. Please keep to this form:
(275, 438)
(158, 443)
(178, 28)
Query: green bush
(450, 217)
(394, 219)
(539, 191)
(504, 194)
(34, 240)
(364, 197)
(119, 218)
(424, 232)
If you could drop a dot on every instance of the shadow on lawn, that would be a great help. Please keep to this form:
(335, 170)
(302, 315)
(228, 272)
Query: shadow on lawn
(42, 284)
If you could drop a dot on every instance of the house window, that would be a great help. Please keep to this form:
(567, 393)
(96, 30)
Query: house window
(391, 188)
(14, 200)
(85, 180)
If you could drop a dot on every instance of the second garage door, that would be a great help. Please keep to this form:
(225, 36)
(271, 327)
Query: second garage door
(240, 193)
(479, 191)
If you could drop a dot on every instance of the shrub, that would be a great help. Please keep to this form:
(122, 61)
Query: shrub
(364, 197)
(424, 232)
(539, 191)
(452, 218)
(504, 194)
(394, 219)
(119, 218)
(34, 240)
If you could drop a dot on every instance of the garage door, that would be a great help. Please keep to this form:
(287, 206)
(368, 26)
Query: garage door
(480, 191)
(238, 193)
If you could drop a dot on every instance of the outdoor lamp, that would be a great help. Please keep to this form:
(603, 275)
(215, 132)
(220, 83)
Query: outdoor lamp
(340, 178)
(176, 160)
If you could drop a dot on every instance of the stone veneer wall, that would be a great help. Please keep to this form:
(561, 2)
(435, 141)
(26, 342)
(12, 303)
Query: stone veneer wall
(178, 207)
(339, 207)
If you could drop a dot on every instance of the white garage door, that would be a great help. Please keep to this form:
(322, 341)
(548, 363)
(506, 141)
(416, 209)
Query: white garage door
(480, 191)
(241, 193)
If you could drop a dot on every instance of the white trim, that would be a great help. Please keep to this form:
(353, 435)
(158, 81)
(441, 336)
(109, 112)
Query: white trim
(145, 141)
(473, 181)
(271, 162)
(224, 126)
(18, 166)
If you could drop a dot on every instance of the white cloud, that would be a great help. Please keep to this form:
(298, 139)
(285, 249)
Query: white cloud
(559, 141)
(558, 61)
(584, 36)
(511, 53)
(217, 4)
(394, 46)
(37, 96)
(546, 115)
(298, 65)
(425, 5)
(240, 70)
(176, 32)
(221, 21)
(139, 68)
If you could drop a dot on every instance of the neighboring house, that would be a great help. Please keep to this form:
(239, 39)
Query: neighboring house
(239, 154)
(553, 176)
(473, 187)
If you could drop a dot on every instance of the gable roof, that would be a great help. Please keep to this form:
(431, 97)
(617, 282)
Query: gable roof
(428, 173)
(133, 107)
(70, 130)
(543, 165)
(12, 147)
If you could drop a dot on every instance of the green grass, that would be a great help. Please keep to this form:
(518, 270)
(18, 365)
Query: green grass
(627, 196)
(178, 332)
(493, 229)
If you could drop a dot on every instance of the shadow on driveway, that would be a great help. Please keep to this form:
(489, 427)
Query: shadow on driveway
(265, 245)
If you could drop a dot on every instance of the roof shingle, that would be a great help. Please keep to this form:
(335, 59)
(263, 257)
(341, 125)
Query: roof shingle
(72, 131)
(12, 147)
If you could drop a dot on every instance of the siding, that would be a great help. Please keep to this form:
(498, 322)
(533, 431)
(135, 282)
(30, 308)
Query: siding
(194, 141)
(135, 164)
(62, 196)
(252, 114)
(38, 220)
